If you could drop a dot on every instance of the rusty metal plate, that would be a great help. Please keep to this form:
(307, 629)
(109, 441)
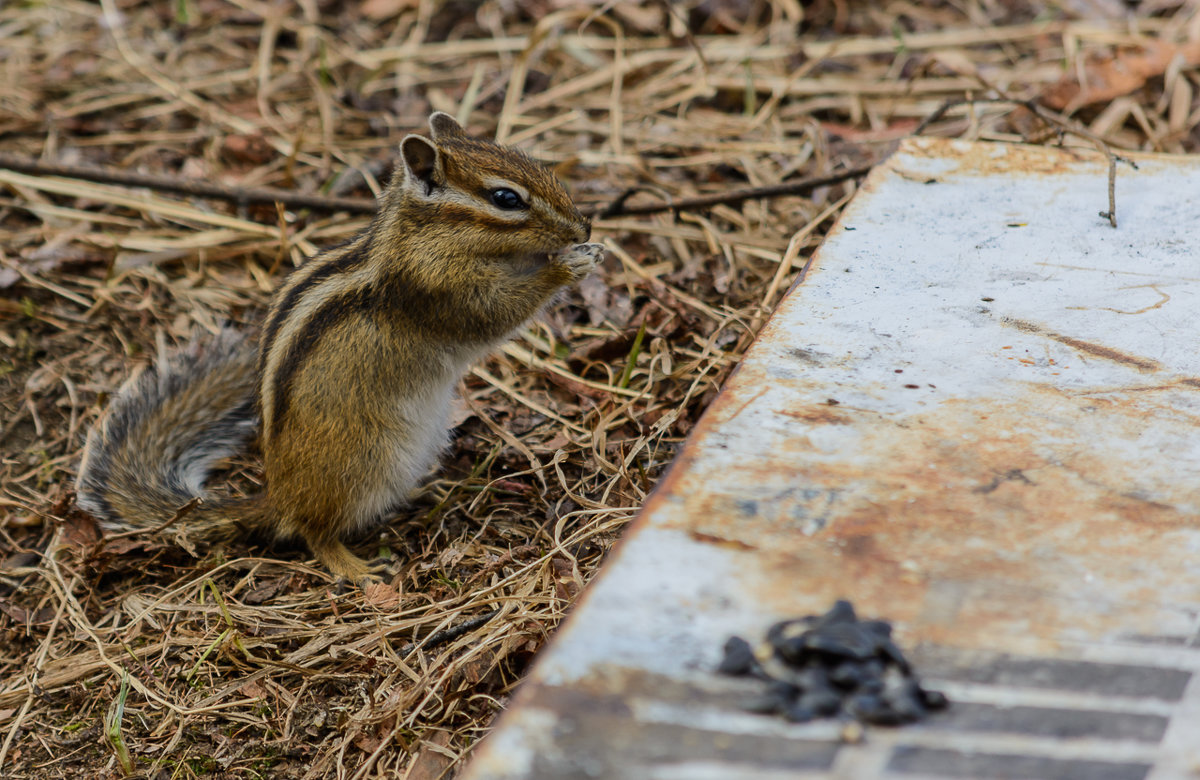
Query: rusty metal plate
(978, 417)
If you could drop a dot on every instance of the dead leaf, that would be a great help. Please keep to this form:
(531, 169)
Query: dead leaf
(433, 760)
(450, 557)
(1110, 76)
(252, 690)
(478, 667)
(266, 590)
(554, 443)
(80, 530)
(518, 553)
(20, 560)
(252, 149)
(382, 596)
(567, 582)
(367, 743)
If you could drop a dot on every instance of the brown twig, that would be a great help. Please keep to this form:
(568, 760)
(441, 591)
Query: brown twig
(240, 195)
(1111, 214)
(617, 208)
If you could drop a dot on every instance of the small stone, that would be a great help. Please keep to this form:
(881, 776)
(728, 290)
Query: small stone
(850, 675)
(738, 658)
(800, 713)
(823, 703)
(865, 706)
(792, 649)
(812, 678)
(779, 697)
(843, 640)
(874, 685)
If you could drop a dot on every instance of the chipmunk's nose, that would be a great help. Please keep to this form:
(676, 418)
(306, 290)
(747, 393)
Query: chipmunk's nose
(584, 232)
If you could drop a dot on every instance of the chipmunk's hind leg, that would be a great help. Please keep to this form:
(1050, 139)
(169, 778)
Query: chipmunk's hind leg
(337, 558)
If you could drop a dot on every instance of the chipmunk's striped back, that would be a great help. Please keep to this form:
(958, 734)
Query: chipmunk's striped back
(332, 273)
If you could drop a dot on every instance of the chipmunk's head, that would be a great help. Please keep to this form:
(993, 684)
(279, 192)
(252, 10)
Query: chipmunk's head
(490, 197)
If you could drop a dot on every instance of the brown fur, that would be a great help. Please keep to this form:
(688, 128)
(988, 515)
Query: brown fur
(363, 345)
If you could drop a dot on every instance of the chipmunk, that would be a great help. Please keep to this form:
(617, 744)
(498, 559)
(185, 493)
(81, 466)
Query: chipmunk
(350, 387)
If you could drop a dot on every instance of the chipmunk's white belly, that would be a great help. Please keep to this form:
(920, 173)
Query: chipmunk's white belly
(410, 448)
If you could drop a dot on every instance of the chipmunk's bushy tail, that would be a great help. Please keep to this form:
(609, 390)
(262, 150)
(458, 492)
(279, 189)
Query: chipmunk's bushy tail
(161, 436)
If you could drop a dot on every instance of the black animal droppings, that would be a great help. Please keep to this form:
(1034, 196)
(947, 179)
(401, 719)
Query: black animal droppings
(813, 678)
(825, 702)
(829, 665)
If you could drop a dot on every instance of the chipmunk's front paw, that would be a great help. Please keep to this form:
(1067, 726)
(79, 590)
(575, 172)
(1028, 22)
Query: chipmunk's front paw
(581, 259)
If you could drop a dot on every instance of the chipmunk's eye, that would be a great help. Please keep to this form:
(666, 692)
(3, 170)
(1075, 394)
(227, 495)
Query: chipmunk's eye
(506, 199)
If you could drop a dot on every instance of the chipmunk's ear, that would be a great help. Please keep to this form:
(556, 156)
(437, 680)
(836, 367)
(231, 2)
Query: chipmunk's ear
(422, 164)
(442, 125)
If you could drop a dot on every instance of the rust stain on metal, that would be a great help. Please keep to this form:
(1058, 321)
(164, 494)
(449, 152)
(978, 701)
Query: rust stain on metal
(1000, 502)
(1087, 347)
(994, 160)
(823, 413)
(738, 544)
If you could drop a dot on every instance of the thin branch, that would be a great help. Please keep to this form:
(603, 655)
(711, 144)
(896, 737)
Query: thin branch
(1111, 214)
(242, 196)
(798, 187)
(449, 635)
(946, 106)
(325, 203)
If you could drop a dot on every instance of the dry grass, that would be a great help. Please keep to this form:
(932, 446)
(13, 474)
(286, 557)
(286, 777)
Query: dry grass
(245, 661)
